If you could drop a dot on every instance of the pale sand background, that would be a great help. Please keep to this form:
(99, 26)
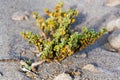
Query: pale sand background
(94, 14)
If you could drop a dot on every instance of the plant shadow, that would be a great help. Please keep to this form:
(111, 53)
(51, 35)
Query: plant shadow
(80, 19)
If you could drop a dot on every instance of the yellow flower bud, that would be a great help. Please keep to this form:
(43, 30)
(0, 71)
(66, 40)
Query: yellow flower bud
(65, 15)
(73, 20)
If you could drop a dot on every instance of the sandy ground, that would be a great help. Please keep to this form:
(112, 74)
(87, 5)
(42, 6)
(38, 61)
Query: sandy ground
(94, 14)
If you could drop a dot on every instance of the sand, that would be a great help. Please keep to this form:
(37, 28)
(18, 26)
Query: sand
(93, 14)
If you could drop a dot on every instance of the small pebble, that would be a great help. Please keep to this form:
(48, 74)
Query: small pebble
(63, 76)
(83, 55)
(77, 78)
(113, 25)
(20, 15)
(114, 40)
(91, 68)
(108, 47)
(112, 3)
(85, 79)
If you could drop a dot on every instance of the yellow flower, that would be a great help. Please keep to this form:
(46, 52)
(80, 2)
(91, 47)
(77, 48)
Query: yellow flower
(52, 24)
(63, 50)
(65, 15)
(62, 32)
(40, 20)
(50, 14)
(73, 20)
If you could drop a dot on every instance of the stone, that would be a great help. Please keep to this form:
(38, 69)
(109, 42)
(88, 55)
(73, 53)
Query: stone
(113, 25)
(83, 55)
(113, 3)
(108, 47)
(20, 15)
(77, 78)
(63, 76)
(91, 68)
(114, 40)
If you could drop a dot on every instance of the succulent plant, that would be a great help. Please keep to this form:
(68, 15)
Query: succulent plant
(57, 41)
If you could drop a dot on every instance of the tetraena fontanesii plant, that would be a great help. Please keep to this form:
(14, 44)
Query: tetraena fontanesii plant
(57, 40)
